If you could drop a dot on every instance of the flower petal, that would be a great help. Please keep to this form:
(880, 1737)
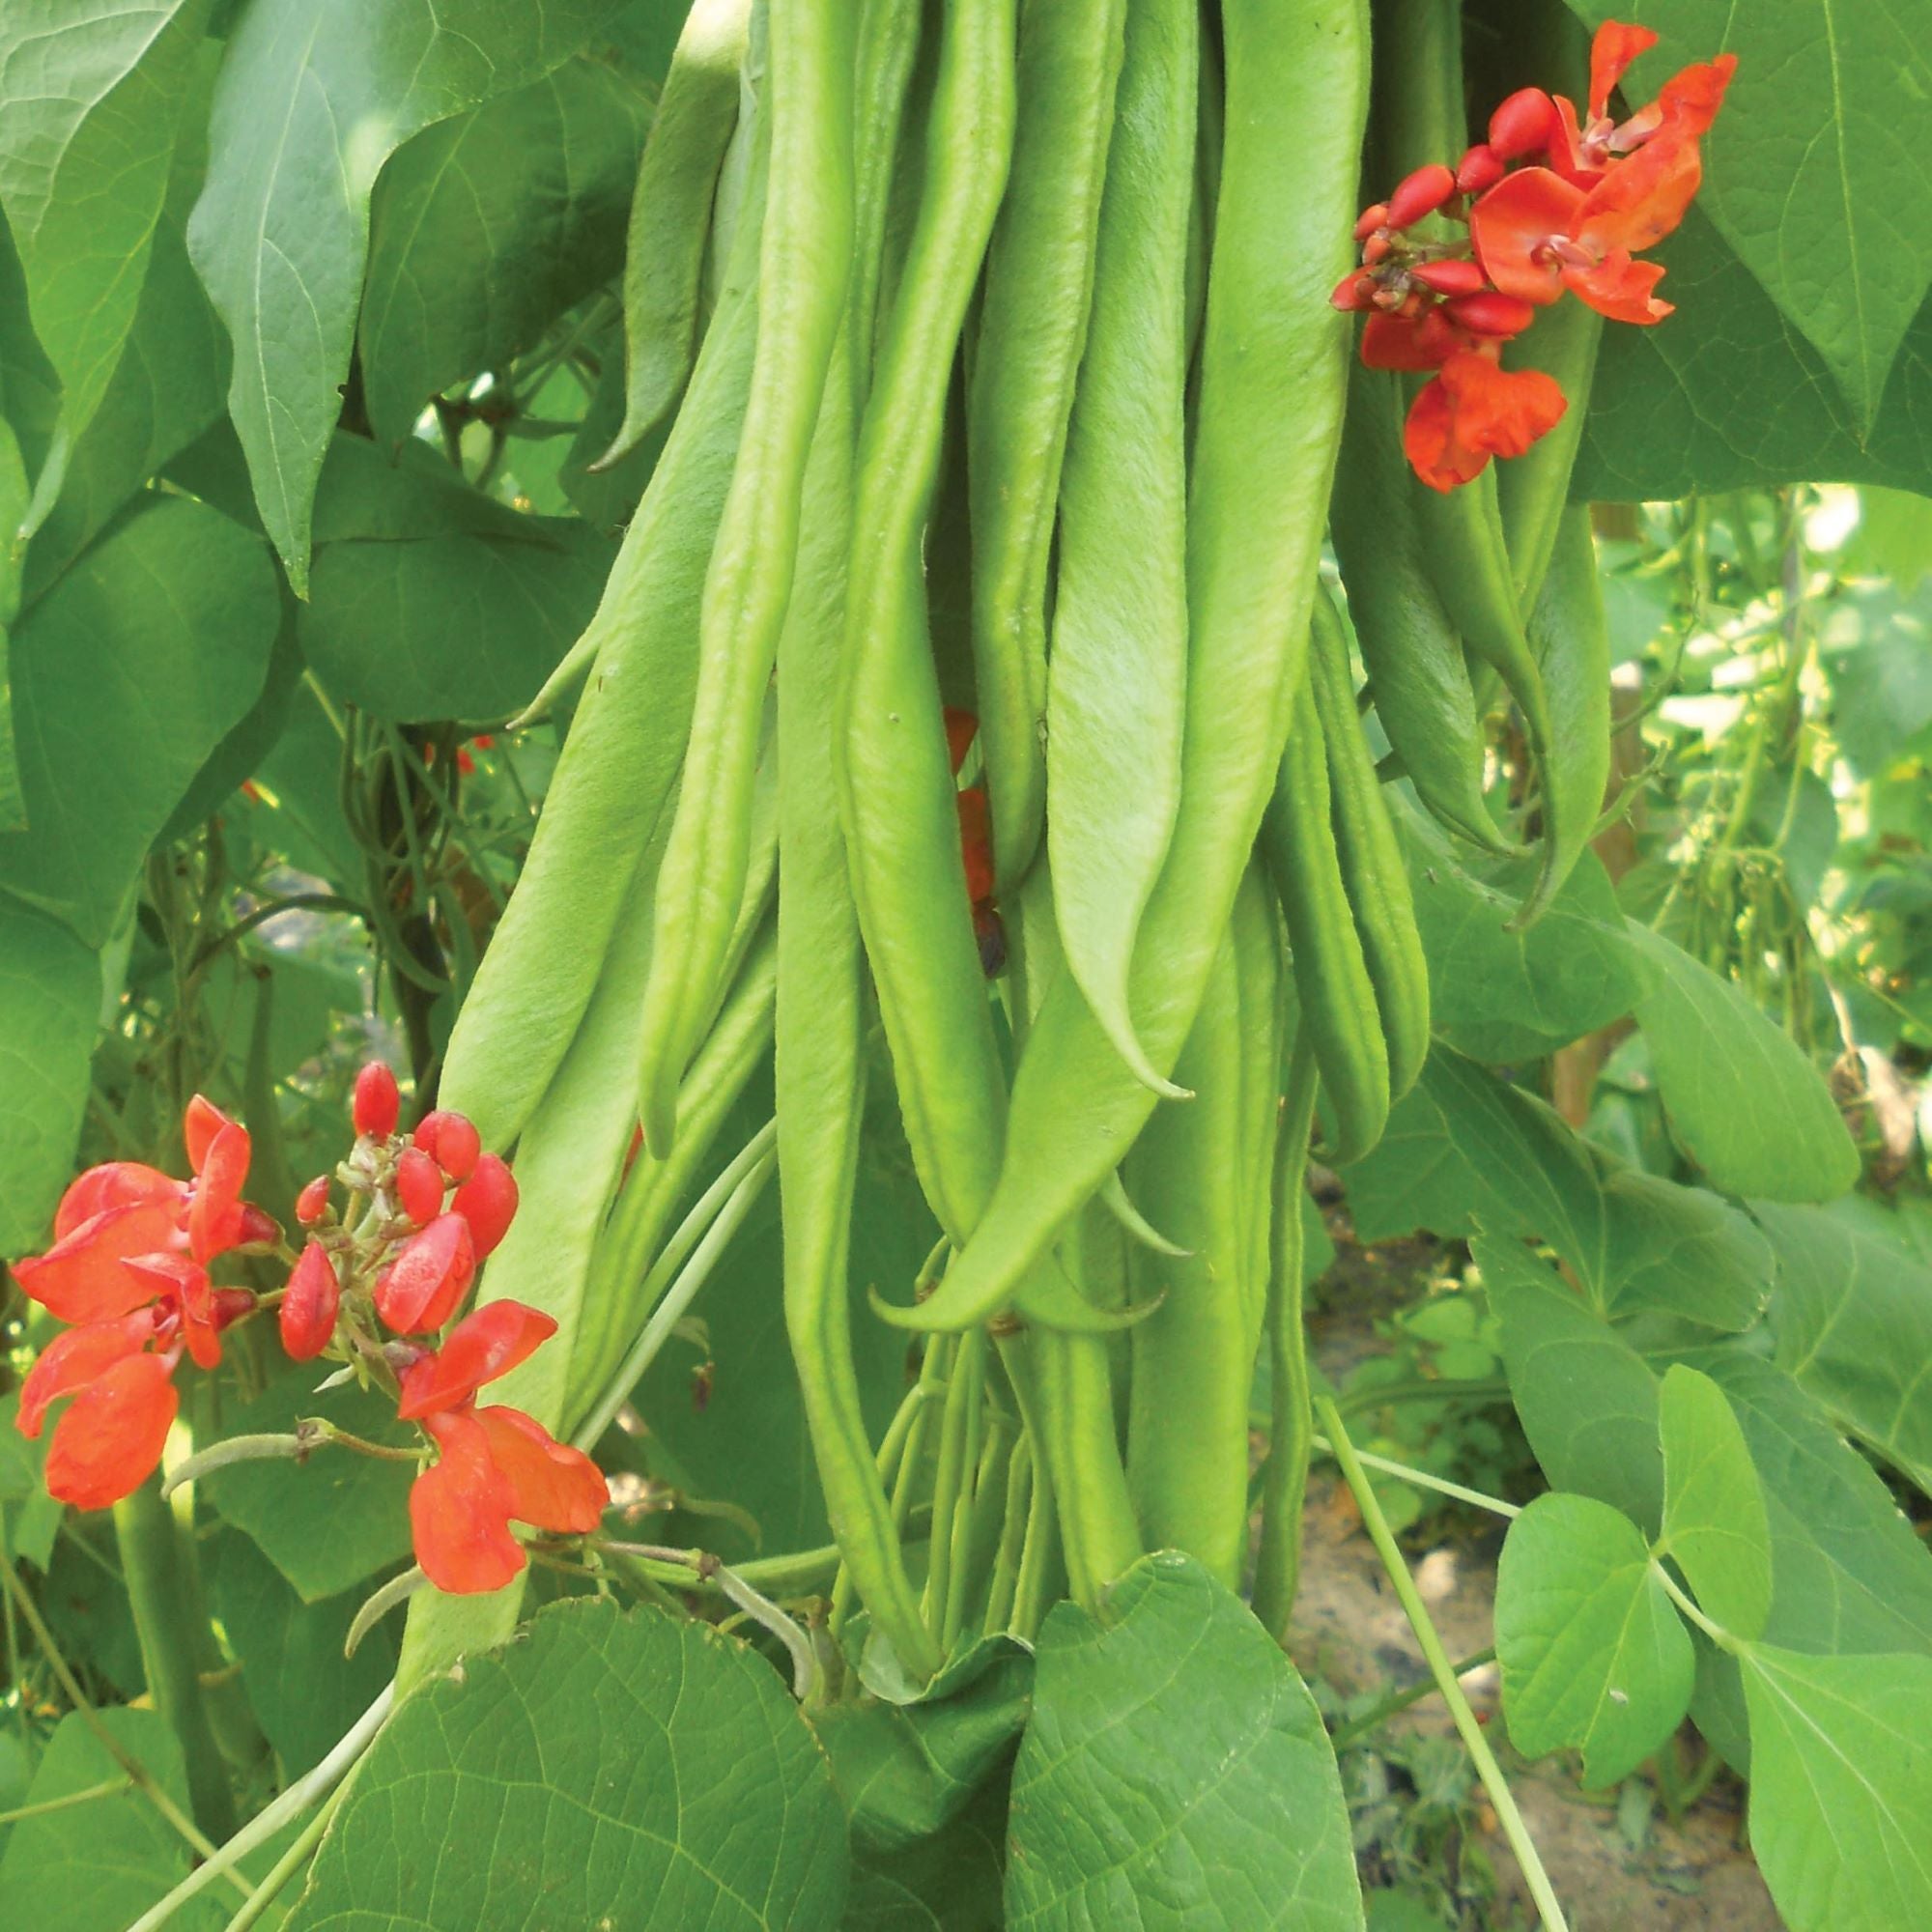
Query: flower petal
(419, 1290)
(1620, 288)
(556, 1486)
(1616, 45)
(184, 1284)
(1500, 411)
(74, 1358)
(117, 1184)
(480, 1347)
(460, 1511)
(1428, 440)
(1412, 342)
(215, 1214)
(1516, 219)
(109, 1441)
(82, 1276)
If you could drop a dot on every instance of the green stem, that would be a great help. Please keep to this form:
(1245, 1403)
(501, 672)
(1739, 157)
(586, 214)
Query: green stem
(110, 1787)
(1421, 1478)
(1401, 1701)
(291, 1861)
(1442, 1670)
(1481, 1388)
(1284, 1480)
(962, 1403)
(144, 1527)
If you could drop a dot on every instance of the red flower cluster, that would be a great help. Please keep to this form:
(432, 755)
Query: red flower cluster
(1552, 202)
(129, 1267)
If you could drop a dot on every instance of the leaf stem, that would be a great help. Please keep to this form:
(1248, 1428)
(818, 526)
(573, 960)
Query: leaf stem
(1421, 1478)
(1440, 1667)
(1399, 1701)
(107, 1788)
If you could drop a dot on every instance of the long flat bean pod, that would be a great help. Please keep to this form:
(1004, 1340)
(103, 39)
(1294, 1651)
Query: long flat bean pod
(804, 260)
(1273, 381)
(671, 215)
(1039, 277)
(1116, 682)
(890, 760)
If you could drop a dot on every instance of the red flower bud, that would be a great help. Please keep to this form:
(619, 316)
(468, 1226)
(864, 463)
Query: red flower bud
(418, 1186)
(231, 1304)
(377, 1105)
(1479, 168)
(312, 1202)
(1456, 278)
(452, 1140)
(1421, 193)
(419, 1290)
(1376, 249)
(256, 1228)
(1525, 124)
(1492, 313)
(1352, 290)
(1372, 219)
(488, 1201)
(308, 1307)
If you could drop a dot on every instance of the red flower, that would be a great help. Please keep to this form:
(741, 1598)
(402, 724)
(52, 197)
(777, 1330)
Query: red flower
(1474, 410)
(420, 1289)
(121, 1209)
(120, 1373)
(309, 1304)
(452, 1140)
(495, 1467)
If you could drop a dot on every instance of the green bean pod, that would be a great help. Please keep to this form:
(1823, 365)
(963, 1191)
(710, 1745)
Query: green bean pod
(889, 757)
(1572, 638)
(1370, 857)
(1033, 324)
(1333, 988)
(608, 798)
(1272, 380)
(1194, 1357)
(1116, 682)
(1411, 650)
(804, 261)
(1532, 490)
(657, 1189)
(671, 216)
(888, 46)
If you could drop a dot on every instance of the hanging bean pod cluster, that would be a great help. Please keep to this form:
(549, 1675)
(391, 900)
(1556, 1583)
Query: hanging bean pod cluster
(968, 708)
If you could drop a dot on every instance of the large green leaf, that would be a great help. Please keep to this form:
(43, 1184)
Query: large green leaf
(1715, 1523)
(1841, 1788)
(1499, 993)
(49, 1010)
(1882, 684)
(1816, 171)
(952, 1882)
(97, 1866)
(628, 1769)
(1465, 1151)
(311, 102)
(1681, 408)
(1854, 1323)
(1175, 1773)
(304, 1691)
(166, 388)
(487, 226)
(1742, 1101)
(430, 600)
(336, 1520)
(1594, 1655)
(91, 96)
(125, 675)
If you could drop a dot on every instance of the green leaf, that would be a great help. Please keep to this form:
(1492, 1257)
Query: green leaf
(49, 1013)
(1680, 408)
(635, 1770)
(1894, 537)
(30, 1519)
(1594, 1655)
(1587, 1399)
(952, 1882)
(1742, 1101)
(125, 675)
(166, 388)
(905, 1770)
(1882, 686)
(308, 109)
(96, 1868)
(1813, 171)
(1175, 1773)
(487, 227)
(1853, 1319)
(1714, 1514)
(428, 597)
(340, 1518)
(1465, 1151)
(1841, 1787)
(90, 95)
(304, 1691)
(1498, 994)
